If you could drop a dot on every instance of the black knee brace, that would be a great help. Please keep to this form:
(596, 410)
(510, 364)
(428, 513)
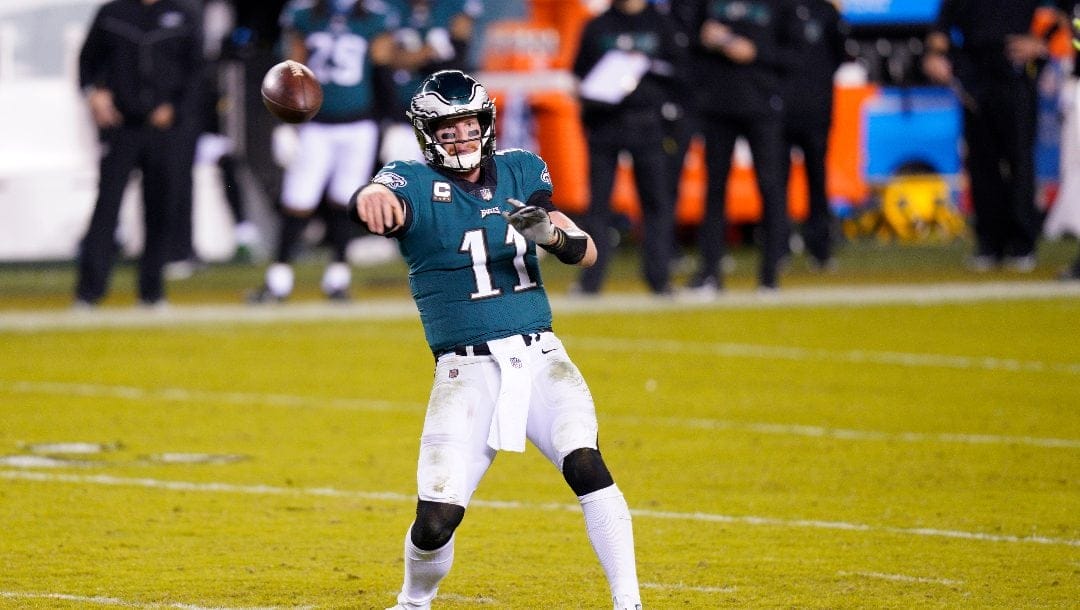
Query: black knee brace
(585, 471)
(435, 524)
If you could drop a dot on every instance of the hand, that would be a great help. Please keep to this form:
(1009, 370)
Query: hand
(741, 50)
(438, 40)
(719, 37)
(102, 109)
(1020, 48)
(163, 116)
(378, 207)
(937, 68)
(532, 222)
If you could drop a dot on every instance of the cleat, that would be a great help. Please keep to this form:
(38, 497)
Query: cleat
(981, 263)
(263, 295)
(153, 305)
(702, 288)
(823, 265)
(339, 296)
(402, 606)
(1021, 264)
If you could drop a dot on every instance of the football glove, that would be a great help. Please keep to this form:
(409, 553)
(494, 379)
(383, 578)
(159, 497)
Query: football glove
(532, 222)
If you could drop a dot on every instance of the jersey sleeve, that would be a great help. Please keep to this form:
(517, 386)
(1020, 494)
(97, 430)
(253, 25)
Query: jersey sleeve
(400, 178)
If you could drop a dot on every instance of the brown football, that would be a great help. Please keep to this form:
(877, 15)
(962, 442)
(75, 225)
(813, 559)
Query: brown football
(291, 92)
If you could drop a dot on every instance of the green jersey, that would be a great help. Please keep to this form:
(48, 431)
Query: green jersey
(417, 24)
(337, 44)
(473, 277)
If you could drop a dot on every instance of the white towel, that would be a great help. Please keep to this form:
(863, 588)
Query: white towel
(508, 422)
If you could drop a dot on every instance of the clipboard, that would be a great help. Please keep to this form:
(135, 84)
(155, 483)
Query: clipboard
(614, 77)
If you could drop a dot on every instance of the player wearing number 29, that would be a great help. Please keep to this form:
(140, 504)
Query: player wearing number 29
(468, 222)
(340, 41)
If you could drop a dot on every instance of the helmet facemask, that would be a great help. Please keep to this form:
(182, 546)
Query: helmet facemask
(451, 94)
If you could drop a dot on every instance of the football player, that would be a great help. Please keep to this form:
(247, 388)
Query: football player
(468, 222)
(341, 41)
(446, 27)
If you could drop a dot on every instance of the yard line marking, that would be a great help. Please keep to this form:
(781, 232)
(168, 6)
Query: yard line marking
(684, 587)
(89, 390)
(401, 309)
(902, 578)
(110, 480)
(801, 354)
(848, 434)
(245, 399)
(112, 601)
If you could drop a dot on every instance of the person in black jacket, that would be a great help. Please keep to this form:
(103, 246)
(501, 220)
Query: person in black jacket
(820, 36)
(136, 67)
(743, 51)
(627, 115)
(983, 49)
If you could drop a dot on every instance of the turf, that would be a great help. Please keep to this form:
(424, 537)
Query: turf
(832, 446)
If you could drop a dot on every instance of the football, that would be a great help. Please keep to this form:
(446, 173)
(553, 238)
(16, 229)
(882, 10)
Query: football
(291, 92)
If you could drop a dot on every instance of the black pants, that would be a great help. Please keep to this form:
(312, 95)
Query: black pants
(128, 148)
(765, 134)
(811, 135)
(182, 240)
(652, 178)
(1000, 134)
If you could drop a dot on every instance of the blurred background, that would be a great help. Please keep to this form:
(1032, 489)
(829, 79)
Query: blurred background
(895, 158)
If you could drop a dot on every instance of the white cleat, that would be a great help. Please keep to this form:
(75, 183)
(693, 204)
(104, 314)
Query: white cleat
(625, 602)
(407, 606)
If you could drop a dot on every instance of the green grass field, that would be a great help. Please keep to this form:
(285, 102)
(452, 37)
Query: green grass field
(901, 434)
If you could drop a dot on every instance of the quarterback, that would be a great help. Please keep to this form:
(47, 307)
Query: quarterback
(468, 222)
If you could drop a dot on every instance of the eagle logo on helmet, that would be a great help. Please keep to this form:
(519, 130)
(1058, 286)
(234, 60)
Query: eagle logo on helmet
(445, 94)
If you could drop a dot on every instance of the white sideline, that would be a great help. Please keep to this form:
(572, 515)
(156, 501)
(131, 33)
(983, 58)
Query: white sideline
(914, 294)
(109, 480)
(252, 399)
(112, 601)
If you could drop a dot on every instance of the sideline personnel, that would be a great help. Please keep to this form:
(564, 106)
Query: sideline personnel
(821, 36)
(136, 67)
(983, 49)
(743, 50)
(635, 124)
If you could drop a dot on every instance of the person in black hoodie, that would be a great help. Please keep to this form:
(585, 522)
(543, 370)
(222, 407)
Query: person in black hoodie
(821, 36)
(743, 51)
(627, 115)
(137, 67)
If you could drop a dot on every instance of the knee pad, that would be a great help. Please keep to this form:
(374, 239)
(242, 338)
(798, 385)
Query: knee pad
(585, 471)
(435, 524)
